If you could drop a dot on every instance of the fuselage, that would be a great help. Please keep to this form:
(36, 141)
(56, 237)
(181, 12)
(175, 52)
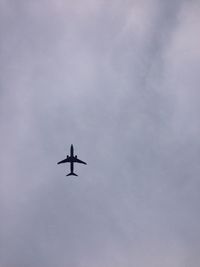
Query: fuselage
(72, 151)
(71, 156)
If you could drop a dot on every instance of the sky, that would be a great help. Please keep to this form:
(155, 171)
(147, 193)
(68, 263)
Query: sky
(119, 80)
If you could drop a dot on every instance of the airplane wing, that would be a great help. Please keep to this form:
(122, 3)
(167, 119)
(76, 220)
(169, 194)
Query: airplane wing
(79, 161)
(64, 161)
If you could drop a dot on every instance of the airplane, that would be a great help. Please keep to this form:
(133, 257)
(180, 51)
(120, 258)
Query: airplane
(72, 159)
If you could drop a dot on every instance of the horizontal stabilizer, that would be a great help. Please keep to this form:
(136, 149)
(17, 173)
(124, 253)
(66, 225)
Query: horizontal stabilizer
(71, 173)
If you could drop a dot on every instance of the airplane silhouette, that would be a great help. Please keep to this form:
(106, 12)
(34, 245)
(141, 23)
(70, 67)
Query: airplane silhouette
(71, 159)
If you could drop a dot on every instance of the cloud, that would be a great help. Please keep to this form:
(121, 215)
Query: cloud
(119, 80)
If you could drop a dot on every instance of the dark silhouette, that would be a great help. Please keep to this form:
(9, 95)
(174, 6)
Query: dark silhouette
(72, 159)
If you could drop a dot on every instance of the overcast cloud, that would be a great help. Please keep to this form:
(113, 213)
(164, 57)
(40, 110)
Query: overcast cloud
(120, 80)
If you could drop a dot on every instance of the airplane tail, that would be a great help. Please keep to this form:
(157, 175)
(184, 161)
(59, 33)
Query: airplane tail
(71, 173)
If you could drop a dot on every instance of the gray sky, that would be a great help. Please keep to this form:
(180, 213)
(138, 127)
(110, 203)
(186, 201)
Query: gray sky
(120, 80)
